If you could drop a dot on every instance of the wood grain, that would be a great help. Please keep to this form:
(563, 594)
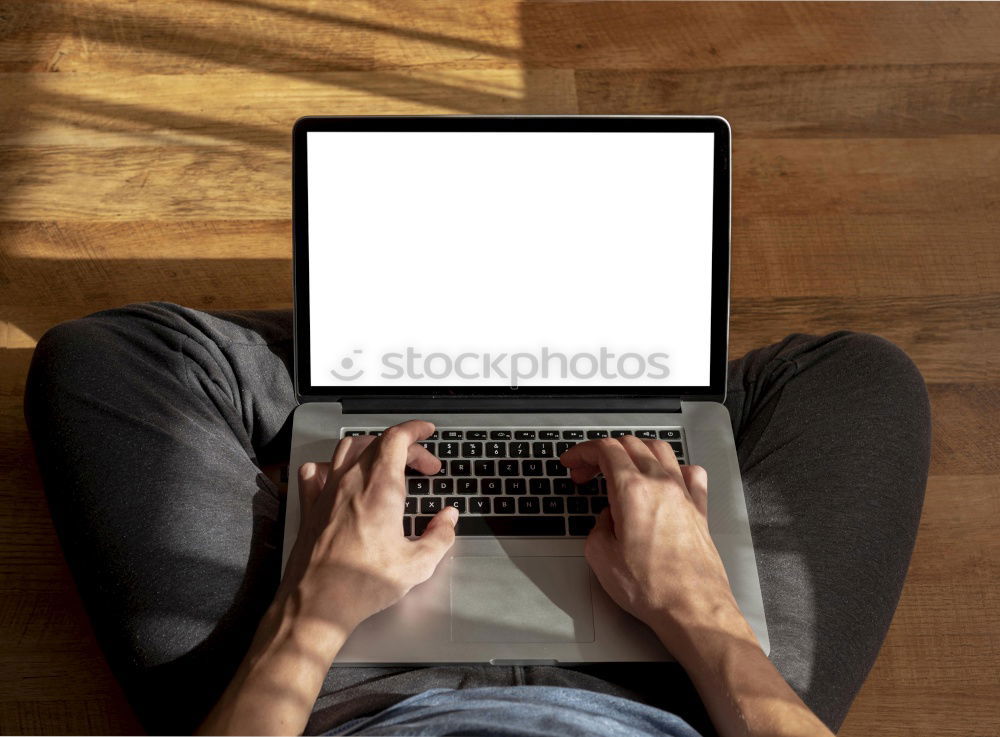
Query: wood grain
(144, 156)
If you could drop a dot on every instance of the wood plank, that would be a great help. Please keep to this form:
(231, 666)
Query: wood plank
(272, 37)
(845, 101)
(233, 109)
(683, 35)
(959, 175)
(291, 36)
(876, 254)
(949, 338)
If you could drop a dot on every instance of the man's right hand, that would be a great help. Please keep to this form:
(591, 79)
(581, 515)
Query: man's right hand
(651, 549)
(652, 553)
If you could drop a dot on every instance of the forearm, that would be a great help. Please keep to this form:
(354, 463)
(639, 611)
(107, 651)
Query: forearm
(742, 690)
(278, 681)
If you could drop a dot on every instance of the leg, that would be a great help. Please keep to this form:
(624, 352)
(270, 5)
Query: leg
(150, 424)
(833, 437)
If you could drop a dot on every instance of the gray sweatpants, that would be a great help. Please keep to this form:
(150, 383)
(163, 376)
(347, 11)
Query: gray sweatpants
(151, 423)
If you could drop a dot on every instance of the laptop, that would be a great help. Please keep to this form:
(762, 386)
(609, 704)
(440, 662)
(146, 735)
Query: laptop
(525, 283)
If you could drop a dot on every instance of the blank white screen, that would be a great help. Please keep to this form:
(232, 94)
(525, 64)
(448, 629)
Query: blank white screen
(505, 242)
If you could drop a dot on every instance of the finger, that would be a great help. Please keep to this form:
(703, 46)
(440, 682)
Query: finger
(696, 481)
(642, 456)
(600, 536)
(310, 486)
(348, 451)
(665, 456)
(393, 450)
(439, 535)
(614, 462)
(421, 459)
(606, 455)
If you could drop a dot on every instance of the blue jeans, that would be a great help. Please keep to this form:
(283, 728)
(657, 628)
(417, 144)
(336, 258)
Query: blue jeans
(151, 424)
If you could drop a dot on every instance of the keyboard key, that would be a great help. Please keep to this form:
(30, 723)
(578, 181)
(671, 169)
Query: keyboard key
(491, 486)
(555, 468)
(460, 468)
(524, 435)
(418, 486)
(509, 468)
(681, 462)
(354, 433)
(645, 434)
(503, 505)
(443, 471)
(563, 486)
(428, 446)
(485, 468)
(531, 468)
(670, 434)
(468, 486)
(563, 447)
(548, 435)
(577, 505)
(443, 486)
(480, 505)
(457, 502)
(678, 448)
(620, 433)
(475, 434)
(598, 503)
(472, 450)
(580, 525)
(592, 434)
(538, 525)
(376, 433)
(496, 450)
(515, 486)
(519, 450)
(589, 488)
(572, 434)
(433, 435)
(410, 505)
(602, 486)
(407, 527)
(430, 505)
(540, 486)
(451, 435)
(542, 450)
(553, 505)
(528, 505)
(500, 435)
(447, 450)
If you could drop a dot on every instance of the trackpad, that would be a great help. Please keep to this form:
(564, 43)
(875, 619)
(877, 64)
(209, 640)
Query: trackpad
(521, 599)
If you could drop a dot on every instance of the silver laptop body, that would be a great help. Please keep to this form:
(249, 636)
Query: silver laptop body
(518, 599)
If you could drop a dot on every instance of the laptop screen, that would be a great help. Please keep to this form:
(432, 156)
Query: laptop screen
(510, 258)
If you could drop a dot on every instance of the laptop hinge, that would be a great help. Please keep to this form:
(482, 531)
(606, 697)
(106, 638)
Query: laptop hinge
(382, 404)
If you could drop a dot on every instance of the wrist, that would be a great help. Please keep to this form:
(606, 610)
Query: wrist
(702, 629)
(293, 624)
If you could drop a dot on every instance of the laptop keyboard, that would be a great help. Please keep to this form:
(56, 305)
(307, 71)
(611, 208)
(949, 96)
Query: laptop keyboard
(509, 482)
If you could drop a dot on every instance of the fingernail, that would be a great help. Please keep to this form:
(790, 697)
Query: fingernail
(452, 514)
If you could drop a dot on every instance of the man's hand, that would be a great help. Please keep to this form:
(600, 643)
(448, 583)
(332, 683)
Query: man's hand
(351, 559)
(652, 553)
(651, 549)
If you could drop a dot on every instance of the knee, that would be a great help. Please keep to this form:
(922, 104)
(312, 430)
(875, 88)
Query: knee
(85, 354)
(873, 354)
(885, 370)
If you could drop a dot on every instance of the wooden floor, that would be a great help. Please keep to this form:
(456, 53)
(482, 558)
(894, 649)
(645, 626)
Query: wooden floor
(144, 154)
